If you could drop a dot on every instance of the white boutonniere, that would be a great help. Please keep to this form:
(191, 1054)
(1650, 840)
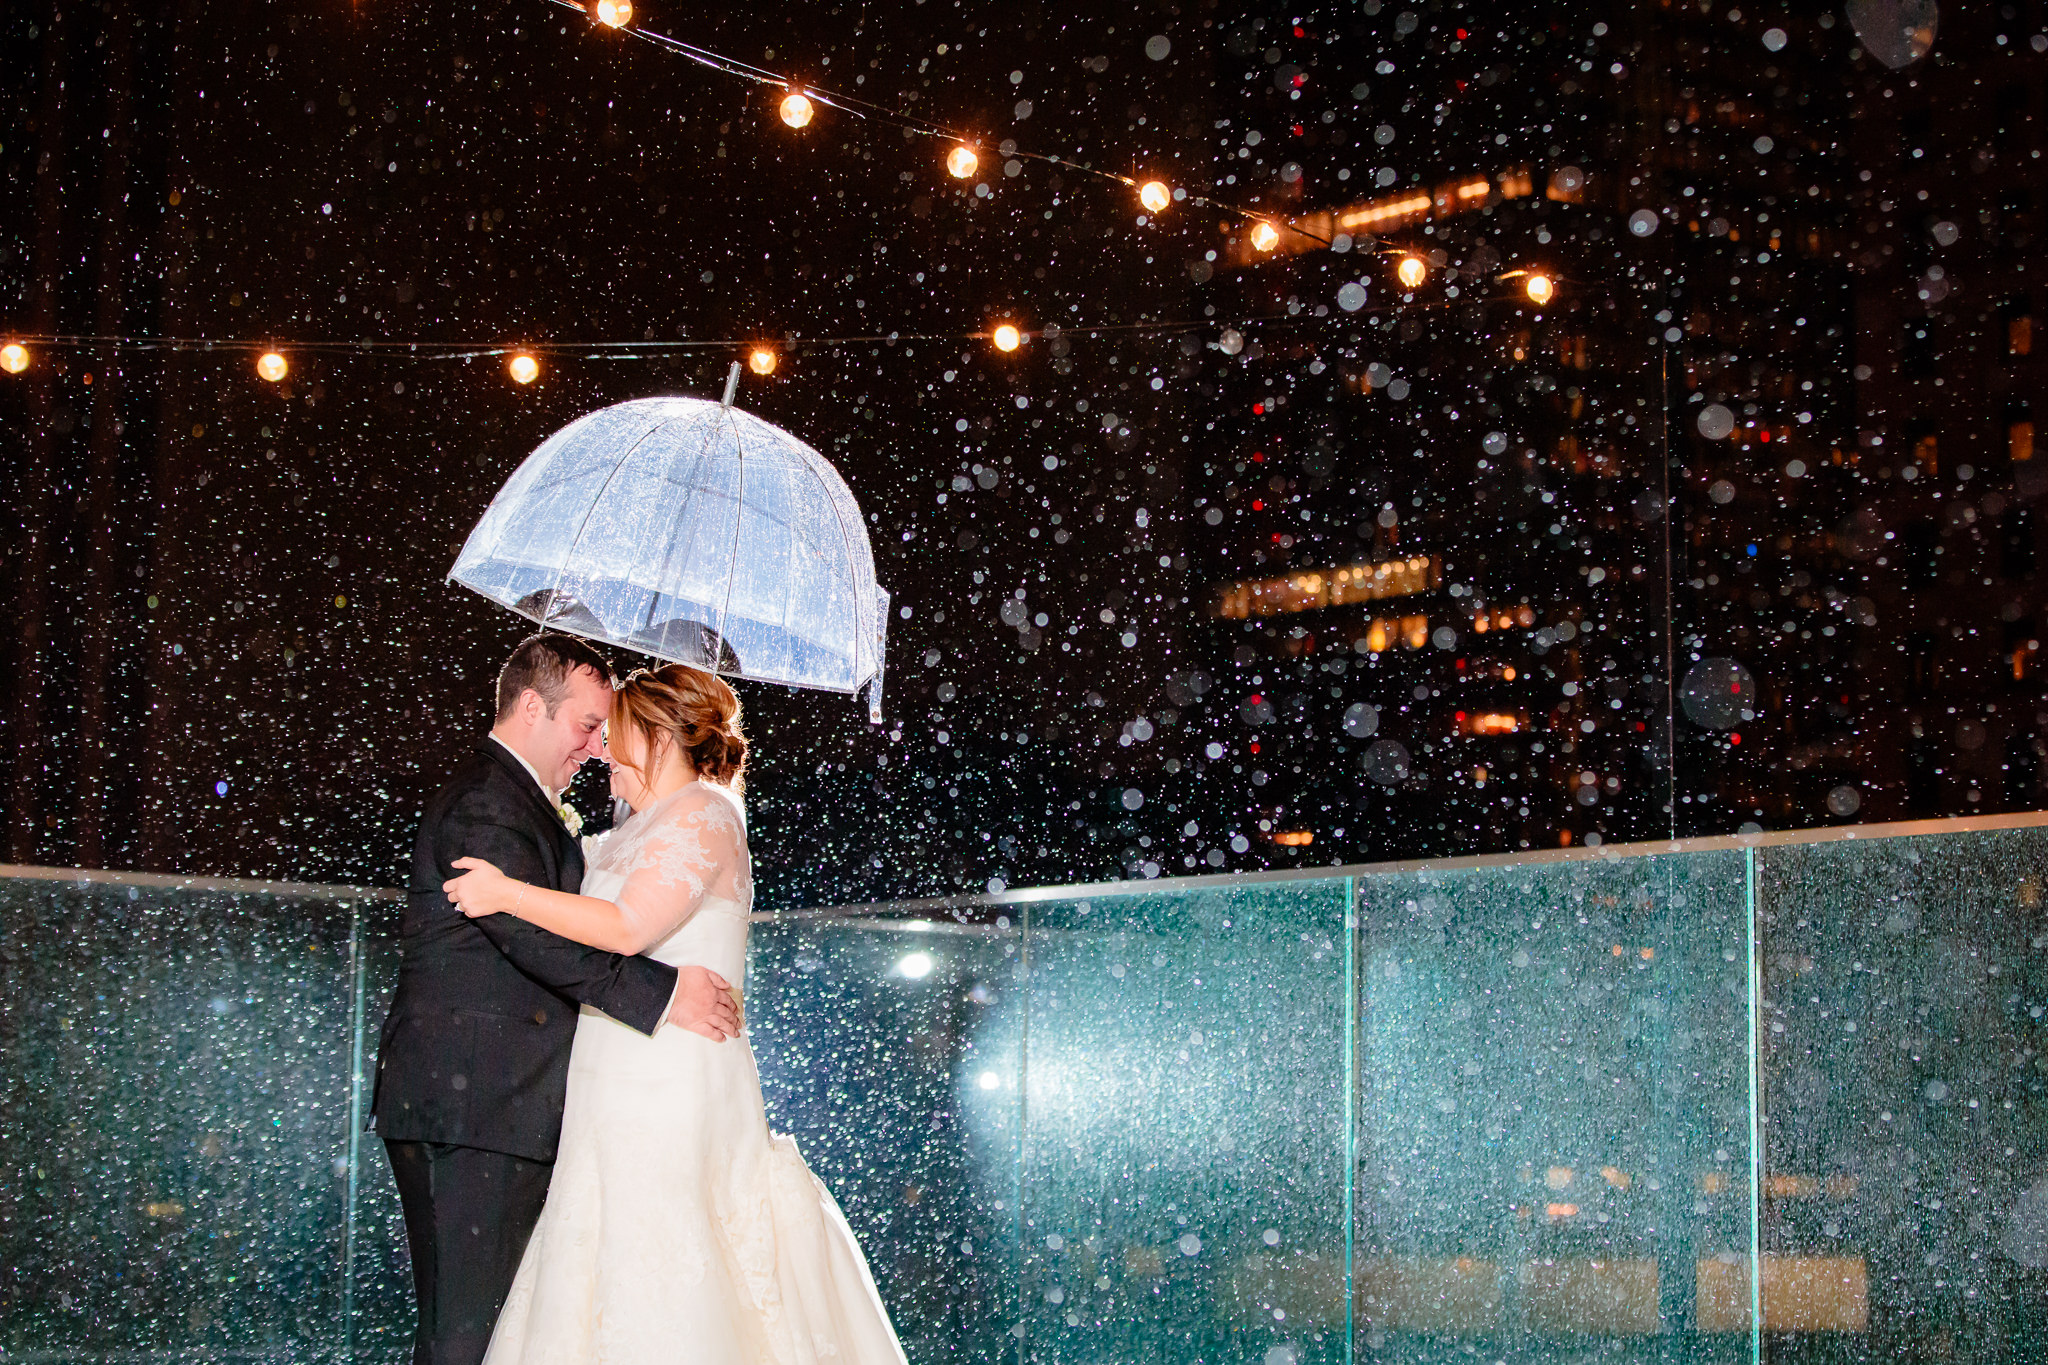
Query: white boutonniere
(570, 817)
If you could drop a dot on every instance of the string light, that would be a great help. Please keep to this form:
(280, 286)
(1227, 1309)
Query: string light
(1006, 337)
(762, 361)
(1539, 288)
(13, 357)
(523, 368)
(272, 366)
(1411, 271)
(1154, 196)
(1265, 236)
(962, 161)
(796, 109)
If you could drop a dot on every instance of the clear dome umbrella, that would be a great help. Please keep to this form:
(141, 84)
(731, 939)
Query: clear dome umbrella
(691, 531)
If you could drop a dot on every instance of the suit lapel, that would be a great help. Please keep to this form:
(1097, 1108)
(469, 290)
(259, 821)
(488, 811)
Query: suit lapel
(566, 847)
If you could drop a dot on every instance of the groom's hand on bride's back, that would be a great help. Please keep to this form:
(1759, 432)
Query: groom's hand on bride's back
(704, 1004)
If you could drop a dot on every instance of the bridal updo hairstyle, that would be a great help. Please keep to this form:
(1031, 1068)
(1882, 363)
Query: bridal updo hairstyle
(697, 711)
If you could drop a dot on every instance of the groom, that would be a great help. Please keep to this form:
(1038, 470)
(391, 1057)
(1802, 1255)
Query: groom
(474, 1060)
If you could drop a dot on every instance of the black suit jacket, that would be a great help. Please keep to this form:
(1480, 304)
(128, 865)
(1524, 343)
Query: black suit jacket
(475, 1050)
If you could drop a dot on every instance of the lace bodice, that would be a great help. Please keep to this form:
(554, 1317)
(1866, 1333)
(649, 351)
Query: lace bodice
(671, 859)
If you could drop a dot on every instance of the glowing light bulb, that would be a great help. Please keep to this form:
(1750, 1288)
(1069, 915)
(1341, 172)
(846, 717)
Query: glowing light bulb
(1411, 271)
(1265, 236)
(13, 357)
(761, 361)
(915, 966)
(1154, 196)
(523, 368)
(272, 366)
(961, 161)
(796, 109)
(1006, 337)
(614, 13)
(1539, 288)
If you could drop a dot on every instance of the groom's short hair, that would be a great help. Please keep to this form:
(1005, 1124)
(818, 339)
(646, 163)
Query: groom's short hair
(544, 663)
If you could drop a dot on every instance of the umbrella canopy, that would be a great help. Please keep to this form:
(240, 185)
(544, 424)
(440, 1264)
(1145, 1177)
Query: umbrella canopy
(692, 531)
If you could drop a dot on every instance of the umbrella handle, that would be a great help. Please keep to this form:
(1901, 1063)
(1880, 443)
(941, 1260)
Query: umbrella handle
(732, 384)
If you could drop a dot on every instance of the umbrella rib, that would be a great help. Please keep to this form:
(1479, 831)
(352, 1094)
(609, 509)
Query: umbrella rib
(739, 512)
(555, 592)
(668, 540)
(846, 542)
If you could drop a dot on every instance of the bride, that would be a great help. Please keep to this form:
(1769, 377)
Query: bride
(677, 1226)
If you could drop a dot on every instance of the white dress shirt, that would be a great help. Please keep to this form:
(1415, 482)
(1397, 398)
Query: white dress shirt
(531, 771)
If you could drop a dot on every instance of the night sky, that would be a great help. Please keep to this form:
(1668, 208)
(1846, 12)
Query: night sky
(239, 654)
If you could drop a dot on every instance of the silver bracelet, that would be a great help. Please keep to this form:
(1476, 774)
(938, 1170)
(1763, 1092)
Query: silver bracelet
(518, 899)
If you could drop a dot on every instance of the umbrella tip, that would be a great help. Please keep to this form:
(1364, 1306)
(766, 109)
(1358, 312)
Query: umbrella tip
(732, 384)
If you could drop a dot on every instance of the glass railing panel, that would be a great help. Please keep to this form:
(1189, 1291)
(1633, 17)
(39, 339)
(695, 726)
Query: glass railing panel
(1905, 1097)
(1554, 1109)
(381, 1309)
(890, 1046)
(173, 1122)
(1185, 1158)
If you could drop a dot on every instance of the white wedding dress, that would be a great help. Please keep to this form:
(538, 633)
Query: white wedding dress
(678, 1229)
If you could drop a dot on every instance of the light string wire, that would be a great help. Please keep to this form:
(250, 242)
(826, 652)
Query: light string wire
(643, 349)
(647, 350)
(868, 110)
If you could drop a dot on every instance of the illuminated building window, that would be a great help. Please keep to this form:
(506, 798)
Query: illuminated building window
(1489, 723)
(2019, 328)
(2019, 440)
(1294, 838)
(1401, 209)
(1314, 589)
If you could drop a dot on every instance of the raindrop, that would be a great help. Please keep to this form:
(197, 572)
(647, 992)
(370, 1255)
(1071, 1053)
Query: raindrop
(1133, 798)
(1721, 491)
(1844, 800)
(1157, 46)
(1271, 1237)
(1774, 39)
(1970, 734)
(1715, 422)
(1946, 233)
(1495, 443)
(1896, 32)
(1190, 1245)
(1361, 720)
(1643, 222)
(1763, 146)
(1936, 1092)
(1718, 694)
(1351, 297)
(1231, 341)
(1386, 762)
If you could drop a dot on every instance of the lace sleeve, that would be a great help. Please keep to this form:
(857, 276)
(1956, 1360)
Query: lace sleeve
(694, 851)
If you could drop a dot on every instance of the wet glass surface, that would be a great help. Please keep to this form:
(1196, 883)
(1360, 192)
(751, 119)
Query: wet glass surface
(1540, 1111)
